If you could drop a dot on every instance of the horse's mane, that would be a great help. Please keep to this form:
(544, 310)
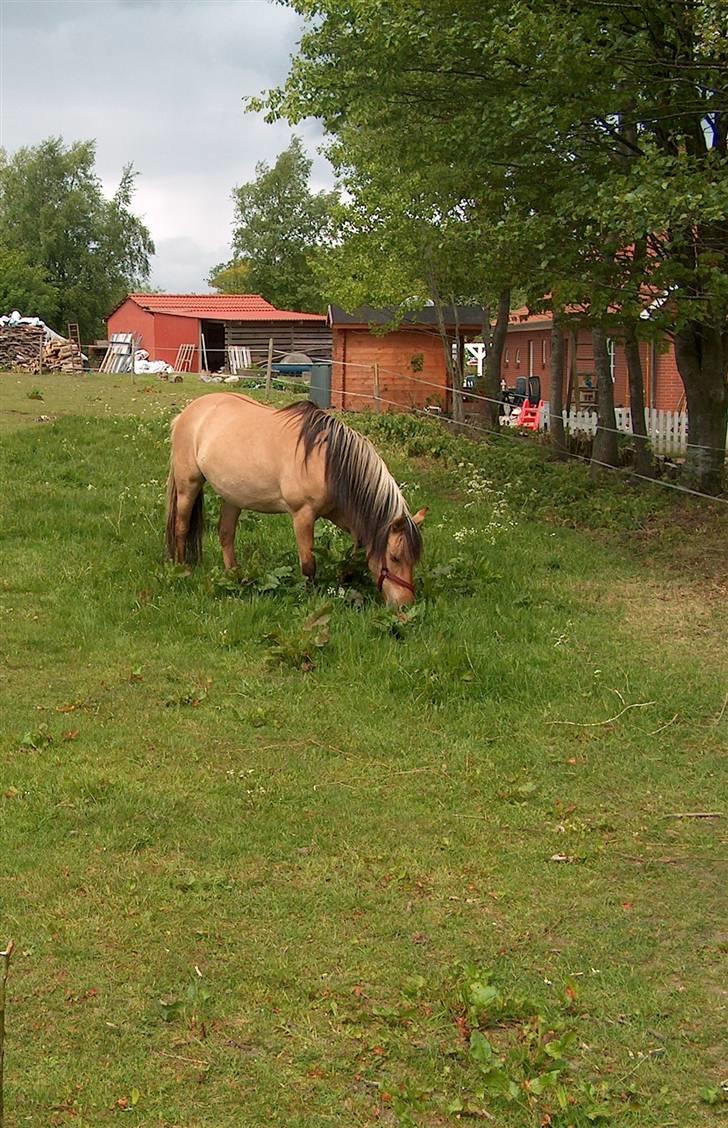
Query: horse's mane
(360, 486)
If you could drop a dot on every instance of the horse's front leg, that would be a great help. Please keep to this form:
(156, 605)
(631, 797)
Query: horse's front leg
(229, 515)
(303, 522)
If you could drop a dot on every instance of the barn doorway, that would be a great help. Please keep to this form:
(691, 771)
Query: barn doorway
(213, 335)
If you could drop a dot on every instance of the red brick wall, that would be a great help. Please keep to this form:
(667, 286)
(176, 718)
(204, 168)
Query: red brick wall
(669, 392)
(355, 352)
(663, 388)
(515, 356)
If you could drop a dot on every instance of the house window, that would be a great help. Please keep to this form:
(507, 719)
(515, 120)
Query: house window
(543, 352)
(611, 351)
(507, 357)
(518, 358)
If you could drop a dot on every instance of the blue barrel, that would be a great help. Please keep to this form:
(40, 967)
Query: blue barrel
(320, 387)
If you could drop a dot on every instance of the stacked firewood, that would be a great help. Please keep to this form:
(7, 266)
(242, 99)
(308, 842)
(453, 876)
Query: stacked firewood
(21, 346)
(61, 355)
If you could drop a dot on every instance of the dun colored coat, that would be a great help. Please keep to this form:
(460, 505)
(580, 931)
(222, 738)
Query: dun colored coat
(297, 460)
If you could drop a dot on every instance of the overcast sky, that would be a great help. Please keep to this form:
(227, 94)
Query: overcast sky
(159, 83)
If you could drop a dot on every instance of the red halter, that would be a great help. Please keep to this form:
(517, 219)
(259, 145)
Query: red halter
(385, 574)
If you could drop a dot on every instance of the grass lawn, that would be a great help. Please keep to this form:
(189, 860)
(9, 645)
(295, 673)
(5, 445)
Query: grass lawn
(272, 856)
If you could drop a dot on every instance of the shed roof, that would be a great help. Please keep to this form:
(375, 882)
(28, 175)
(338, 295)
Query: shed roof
(218, 307)
(467, 317)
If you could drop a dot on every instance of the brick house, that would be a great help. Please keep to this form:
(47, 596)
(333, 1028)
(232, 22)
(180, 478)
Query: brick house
(527, 352)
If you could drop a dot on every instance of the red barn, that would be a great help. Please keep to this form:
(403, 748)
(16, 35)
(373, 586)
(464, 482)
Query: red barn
(211, 323)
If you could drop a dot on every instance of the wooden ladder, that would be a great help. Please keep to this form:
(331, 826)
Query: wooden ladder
(74, 334)
(185, 356)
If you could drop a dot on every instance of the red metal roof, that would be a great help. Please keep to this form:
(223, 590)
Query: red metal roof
(218, 307)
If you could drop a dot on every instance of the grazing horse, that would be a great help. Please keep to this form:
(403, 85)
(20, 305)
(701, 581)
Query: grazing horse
(297, 460)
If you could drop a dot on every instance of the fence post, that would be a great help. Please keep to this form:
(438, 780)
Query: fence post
(4, 969)
(269, 369)
(377, 393)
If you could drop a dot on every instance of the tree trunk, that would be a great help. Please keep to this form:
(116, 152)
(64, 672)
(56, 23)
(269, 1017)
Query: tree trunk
(572, 371)
(604, 449)
(642, 457)
(454, 376)
(556, 394)
(458, 363)
(495, 339)
(701, 352)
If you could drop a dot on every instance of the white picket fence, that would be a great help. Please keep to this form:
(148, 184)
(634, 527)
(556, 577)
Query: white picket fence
(667, 430)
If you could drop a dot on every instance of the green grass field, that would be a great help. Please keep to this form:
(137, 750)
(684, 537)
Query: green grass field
(273, 856)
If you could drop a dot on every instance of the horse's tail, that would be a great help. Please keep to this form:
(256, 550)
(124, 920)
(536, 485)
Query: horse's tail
(169, 540)
(193, 543)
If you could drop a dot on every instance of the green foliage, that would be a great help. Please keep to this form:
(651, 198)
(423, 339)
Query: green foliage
(230, 277)
(498, 145)
(297, 646)
(532, 482)
(26, 287)
(258, 579)
(281, 228)
(398, 624)
(71, 249)
(192, 1005)
(531, 1058)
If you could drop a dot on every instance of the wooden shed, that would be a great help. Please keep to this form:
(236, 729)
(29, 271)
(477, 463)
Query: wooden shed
(211, 323)
(382, 360)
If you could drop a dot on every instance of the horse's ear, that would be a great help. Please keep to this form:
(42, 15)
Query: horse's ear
(398, 524)
(419, 516)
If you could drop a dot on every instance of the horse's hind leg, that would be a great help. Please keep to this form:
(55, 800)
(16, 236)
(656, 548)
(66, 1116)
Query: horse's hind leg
(303, 522)
(229, 515)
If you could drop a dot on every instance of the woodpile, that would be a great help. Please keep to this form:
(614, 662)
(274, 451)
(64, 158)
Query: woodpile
(61, 355)
(21, 346)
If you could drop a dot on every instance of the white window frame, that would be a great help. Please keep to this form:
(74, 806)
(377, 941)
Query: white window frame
(611, 350)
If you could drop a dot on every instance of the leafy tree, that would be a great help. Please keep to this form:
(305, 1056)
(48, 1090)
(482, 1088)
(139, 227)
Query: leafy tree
(230, 277)
(563, 137)
(25, 287)
(409, 146)
(281, 229)
(54, 214)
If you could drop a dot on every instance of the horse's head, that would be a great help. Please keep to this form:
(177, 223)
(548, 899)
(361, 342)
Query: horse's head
(393, 570)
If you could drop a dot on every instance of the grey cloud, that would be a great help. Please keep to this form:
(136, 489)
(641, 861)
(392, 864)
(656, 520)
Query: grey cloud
(162, 86)
(177, 262)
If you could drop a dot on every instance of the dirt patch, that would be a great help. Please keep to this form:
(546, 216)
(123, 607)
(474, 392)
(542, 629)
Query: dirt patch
(691, 540)
(679, 614)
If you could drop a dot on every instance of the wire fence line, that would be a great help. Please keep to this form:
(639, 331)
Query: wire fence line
(570, 424)
(574, 425)
(502, 435)
(572, 420)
